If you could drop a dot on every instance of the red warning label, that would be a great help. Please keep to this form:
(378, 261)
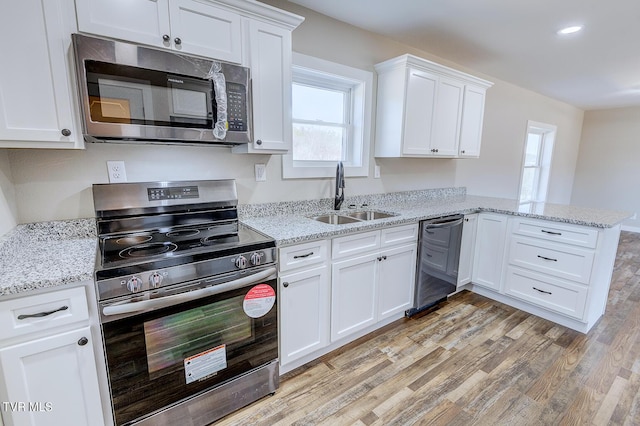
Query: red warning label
(259, 300)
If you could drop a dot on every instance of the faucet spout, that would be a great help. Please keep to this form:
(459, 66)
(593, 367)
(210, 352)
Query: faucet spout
(339, 196)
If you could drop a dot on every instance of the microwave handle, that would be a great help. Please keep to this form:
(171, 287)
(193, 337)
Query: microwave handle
(175, 299)
(220, 94)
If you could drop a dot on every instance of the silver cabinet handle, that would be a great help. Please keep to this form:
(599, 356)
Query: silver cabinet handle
(66, 132)
(177, 41)
(542, 291)
(259, 142)
(285, 284)
(43, 314)
(83, 341)
(166, 37)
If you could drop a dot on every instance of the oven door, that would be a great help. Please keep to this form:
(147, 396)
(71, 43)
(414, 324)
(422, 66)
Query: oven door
(160, 352)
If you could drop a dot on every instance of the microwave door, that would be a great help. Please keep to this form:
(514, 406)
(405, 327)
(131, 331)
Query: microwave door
(189, 102)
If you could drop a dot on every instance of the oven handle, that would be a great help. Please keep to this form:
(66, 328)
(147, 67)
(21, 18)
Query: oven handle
(175, 299)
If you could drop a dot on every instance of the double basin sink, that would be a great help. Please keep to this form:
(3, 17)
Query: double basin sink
(352, 217)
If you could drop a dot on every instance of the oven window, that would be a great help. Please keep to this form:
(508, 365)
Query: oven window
(173, 338)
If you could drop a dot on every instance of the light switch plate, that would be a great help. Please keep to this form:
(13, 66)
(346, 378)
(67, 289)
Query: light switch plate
(376, 172)
(117, 172)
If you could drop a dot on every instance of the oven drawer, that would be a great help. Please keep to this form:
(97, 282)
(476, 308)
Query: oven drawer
(556, 232)
(303, 255)
(45, 311)
(548, 292)
(560, 260)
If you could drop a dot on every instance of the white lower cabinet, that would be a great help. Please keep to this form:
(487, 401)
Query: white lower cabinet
(396, 278)
(558, 271)
(372, 279)
(48, 368)
(55, 378)
(489, 250)
(334, 291)
(467, 246)
(353, 295)
(304, 312)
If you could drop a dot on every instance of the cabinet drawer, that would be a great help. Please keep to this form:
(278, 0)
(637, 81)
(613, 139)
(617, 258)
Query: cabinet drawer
(552, 293)
(557, 232)
(353, 244)
(42, 312)
(302, 255)
(399, 235)
(563, 261)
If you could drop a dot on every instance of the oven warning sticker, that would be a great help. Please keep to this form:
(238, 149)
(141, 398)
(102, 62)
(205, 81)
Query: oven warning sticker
(259, 301)
(205, 363)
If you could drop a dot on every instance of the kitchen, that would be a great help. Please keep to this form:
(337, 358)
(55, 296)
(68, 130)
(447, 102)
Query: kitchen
(61, 179)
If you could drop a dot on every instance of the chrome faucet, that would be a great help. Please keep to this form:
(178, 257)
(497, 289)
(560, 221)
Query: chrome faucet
(339, 198)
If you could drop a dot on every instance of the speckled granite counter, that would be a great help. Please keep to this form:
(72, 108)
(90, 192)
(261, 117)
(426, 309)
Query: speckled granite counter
(290, 223)
(47, 254)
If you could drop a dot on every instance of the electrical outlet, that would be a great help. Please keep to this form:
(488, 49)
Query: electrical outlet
(376, 172)
(261, 172)
(117, 172)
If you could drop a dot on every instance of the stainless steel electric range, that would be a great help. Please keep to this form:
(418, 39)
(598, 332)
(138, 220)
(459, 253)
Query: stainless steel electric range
(187, 299)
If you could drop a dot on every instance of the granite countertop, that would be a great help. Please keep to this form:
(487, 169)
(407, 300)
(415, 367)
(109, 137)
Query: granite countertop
(49, 254)
(290, 223)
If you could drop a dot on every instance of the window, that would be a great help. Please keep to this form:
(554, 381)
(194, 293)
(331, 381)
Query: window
(536, 163)
(331, 110)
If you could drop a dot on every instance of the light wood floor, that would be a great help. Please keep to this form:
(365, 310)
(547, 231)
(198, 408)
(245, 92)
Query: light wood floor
(475, 361)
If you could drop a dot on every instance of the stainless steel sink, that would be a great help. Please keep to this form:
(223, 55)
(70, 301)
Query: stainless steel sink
(369, 215)
(351, 217)
(335, 219)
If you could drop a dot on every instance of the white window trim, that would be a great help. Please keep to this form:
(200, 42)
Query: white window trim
(548, 132)
(361, 121)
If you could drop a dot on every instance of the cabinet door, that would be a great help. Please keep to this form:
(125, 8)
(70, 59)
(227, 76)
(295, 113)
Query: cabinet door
(270, 63)
(472, 119)
(448, 113)
(467, 246)
(304, 313)
(419, 112)
(142, 21)
(396, 280)
(206, 30)
(56, 377)
(36, 95)
(489, 251)
(353, 295)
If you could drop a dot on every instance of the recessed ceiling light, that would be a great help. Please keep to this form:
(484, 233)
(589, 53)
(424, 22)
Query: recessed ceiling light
(570, 30)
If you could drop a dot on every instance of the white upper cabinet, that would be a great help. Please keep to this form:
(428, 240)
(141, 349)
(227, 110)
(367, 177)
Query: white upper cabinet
(427, 110)
(269, 58)
(37, 89)
(189, 26)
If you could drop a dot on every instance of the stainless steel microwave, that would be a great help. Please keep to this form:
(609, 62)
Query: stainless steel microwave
(131, 93)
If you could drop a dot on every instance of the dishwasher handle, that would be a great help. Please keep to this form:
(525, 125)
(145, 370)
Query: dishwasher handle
(455, 222)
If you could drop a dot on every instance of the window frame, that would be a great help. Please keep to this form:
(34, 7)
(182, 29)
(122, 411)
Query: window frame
(542, 164)
(317, 72)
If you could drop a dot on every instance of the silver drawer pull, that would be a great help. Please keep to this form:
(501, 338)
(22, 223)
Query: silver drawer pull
(43, 314)
(301, 256)
(542, 291)
(550, 232)
(547, 258)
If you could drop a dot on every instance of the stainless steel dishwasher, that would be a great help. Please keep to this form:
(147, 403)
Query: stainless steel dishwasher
(438, 258)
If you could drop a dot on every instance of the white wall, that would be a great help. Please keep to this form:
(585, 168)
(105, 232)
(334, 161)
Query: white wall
(55, 184)
(608, 172)
(8, 212)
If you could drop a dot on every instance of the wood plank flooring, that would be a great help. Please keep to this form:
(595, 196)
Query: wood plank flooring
(473, 361)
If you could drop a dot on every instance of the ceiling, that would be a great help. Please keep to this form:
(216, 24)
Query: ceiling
(516, 41)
